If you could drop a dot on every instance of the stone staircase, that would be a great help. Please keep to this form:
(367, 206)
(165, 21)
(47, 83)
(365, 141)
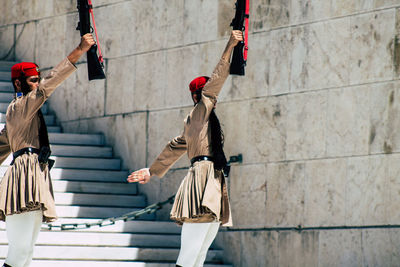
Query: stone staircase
(89, 185)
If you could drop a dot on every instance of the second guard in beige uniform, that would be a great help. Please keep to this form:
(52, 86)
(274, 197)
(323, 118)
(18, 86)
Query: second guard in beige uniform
(201, 203)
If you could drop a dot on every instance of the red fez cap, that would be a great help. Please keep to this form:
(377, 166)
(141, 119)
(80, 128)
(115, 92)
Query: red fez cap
(24, 69)
(198, 83)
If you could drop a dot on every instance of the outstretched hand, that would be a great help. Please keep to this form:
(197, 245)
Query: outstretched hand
(142, 176)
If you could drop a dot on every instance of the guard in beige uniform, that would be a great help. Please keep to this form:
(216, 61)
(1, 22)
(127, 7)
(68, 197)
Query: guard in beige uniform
(26, 195)
(201, 203)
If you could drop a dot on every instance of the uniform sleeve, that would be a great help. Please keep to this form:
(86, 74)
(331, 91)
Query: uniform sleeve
(211, 91)
(172, 152)
(34, 100)
(5, 149)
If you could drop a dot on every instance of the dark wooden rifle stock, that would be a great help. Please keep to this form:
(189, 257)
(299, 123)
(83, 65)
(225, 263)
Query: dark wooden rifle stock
(95, 68)
(238, 63)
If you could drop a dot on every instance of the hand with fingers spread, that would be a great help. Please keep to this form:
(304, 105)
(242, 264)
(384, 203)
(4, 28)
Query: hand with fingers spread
(141, 176)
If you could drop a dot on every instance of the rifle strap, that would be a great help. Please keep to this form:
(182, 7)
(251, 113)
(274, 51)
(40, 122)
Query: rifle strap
(43, 134)
(95, 30)
(246, 30)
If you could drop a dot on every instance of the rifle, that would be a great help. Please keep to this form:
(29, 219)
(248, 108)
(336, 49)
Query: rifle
(239, 57)
(95, 63)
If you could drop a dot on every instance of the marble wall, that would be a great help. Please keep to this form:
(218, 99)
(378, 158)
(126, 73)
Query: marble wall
(315, 117)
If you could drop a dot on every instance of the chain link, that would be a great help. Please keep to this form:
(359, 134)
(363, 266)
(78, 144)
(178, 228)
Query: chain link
(130, 216)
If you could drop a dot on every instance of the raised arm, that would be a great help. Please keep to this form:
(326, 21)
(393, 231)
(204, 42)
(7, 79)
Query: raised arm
(36, 98)
(214, 85)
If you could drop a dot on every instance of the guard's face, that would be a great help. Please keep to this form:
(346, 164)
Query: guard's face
(33, 82)
(196, 96)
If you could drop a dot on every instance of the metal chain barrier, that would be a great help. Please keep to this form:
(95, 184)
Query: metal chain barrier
(130, 216)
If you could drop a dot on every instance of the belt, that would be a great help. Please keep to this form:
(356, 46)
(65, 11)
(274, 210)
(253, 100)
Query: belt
(25, 150)
(200, 158)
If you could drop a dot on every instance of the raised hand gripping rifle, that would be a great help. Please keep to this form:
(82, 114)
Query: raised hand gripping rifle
(94, 62)
(240, 22)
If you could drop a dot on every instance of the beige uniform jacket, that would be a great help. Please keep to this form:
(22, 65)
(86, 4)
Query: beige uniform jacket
(18, 188)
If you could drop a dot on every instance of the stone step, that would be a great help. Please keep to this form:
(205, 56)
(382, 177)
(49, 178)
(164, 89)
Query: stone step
(49, 119)
(81, 163)
(89, 175)
(72, 263)
(5, 76)
(6, 65)
(82, 175)
(75, 238)
(87, 163)
(6, 97)
(76, 139)
(96, 212)
(6, 86)
(81, 151)
(4, 106)
(50, 129)
(93, 200)
(94, 187)
(111, 253)
(134, 226)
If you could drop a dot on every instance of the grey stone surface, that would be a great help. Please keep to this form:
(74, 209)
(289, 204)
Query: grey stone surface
(340, 248)
(348, 121)
(309, 10)
(25, 45)
(120, 92)
(327, 64)
(393, 190)
(366, 191)
(248, 195)
(325, 192)
(384, 107)
(372, 45)
(298, 249)
(279, 54)
(285, 194)
(7, 42)
(269, 14)
(306, 125)
(49, 32)
(110, 18)
(202, 16)
(318, 60)
(377, 247)
(262, 247)
(268, 138)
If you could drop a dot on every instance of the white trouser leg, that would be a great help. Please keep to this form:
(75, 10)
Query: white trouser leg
(194, 240)
(22, 231)
(36, 229)
(209, 238)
